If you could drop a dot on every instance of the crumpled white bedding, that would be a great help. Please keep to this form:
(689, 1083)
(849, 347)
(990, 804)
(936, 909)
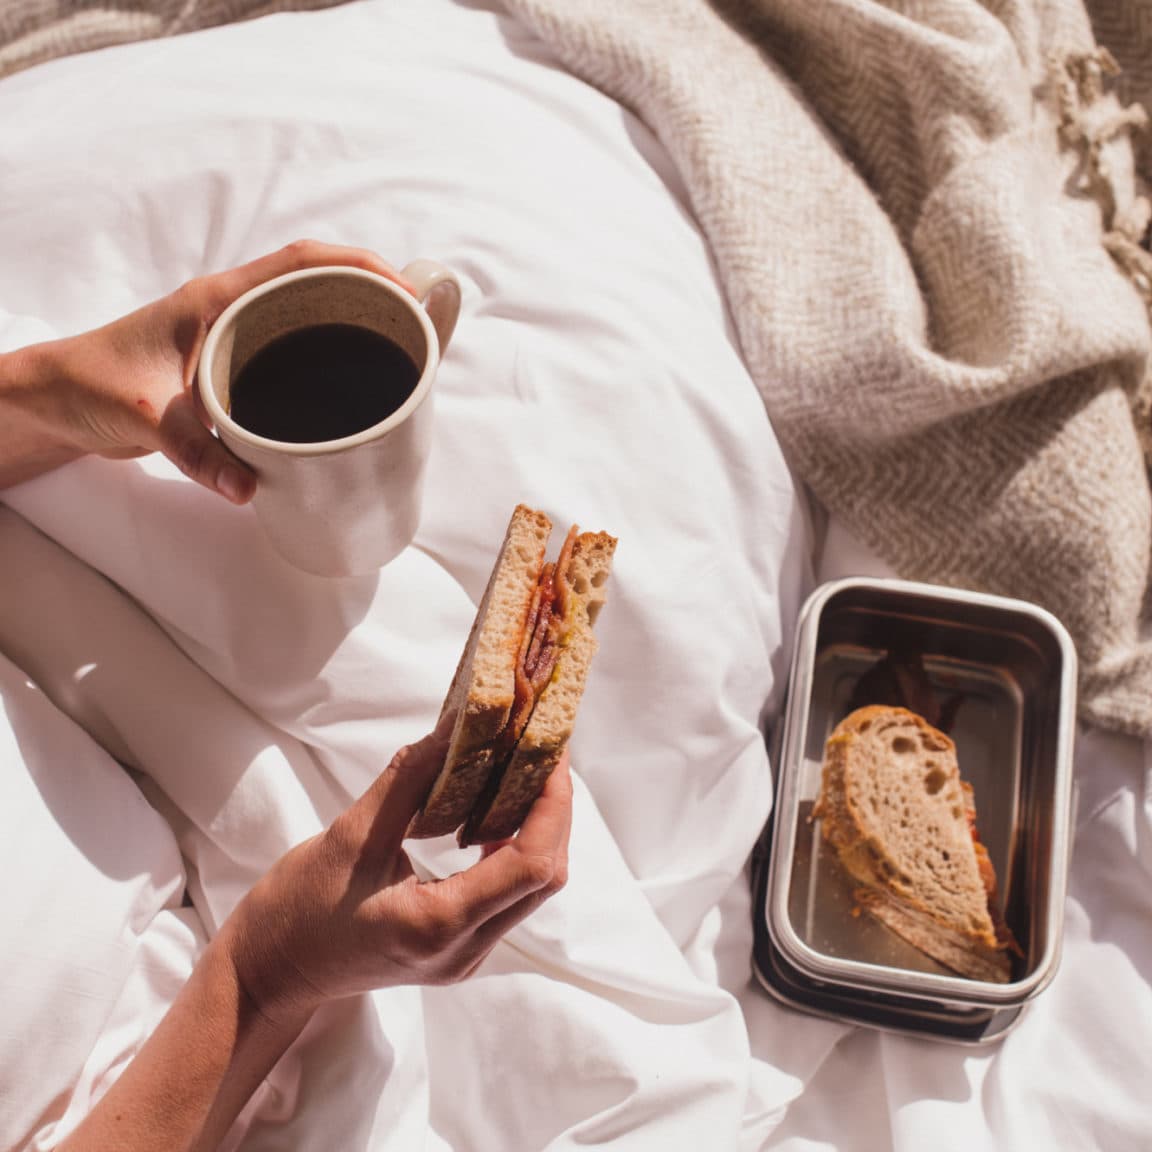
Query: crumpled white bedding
(179, 706)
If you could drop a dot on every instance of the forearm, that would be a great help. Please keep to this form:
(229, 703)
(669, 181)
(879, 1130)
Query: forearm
(30, 444)
(196, 1072)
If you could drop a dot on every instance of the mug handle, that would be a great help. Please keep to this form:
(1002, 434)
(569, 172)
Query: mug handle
(437, 288)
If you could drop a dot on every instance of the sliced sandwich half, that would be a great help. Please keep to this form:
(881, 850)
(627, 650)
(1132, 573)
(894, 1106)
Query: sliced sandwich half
(519, 682)
(904, 826)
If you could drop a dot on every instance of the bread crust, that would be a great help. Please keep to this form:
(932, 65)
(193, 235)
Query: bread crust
(956, 950)
(483, 687)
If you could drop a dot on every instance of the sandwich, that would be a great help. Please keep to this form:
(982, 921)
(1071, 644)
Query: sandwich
(903, 824)
(519, 682)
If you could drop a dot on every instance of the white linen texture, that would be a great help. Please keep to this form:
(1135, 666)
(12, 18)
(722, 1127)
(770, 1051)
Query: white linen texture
(180, 706)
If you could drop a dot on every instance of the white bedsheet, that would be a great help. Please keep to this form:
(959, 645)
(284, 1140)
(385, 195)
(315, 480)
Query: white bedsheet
(144, 623)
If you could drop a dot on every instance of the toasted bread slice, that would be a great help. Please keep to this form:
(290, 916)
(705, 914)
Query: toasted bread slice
(894, 807)
(483, 688)
(503, 809)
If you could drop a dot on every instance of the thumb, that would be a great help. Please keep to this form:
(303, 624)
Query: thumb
(199, 455)
(398, 792)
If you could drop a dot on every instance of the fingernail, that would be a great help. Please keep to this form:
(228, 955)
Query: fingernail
(233, 484)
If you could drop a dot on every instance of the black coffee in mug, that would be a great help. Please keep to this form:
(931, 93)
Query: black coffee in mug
(323, 382)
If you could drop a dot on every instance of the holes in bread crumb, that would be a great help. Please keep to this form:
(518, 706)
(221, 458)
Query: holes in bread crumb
(934, 780)
(902, 745)
(598, 579)
(865, 726)
(580, 585)
(957, 811)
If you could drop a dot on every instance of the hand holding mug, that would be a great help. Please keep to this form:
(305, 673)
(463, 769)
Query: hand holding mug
(127, 389)
(321, 381)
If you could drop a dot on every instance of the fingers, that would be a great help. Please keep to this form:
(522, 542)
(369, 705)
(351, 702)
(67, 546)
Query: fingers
(531, 867)
(549, 821)
(440, 931)
(193, 310)
(492, 931)
(197, 305)
(514, 879)
(224, 287)
(381, 816)
(490, 847)
(182, 437)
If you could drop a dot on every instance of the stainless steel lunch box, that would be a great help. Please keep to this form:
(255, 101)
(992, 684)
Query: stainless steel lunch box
(1007, 671)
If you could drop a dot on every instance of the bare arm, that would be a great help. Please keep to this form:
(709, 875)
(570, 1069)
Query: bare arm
(338, 915)
(28, 447)
(196, 1072)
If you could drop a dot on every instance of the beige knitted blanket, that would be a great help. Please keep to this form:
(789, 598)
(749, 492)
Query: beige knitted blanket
(33, 31)
(928, 222)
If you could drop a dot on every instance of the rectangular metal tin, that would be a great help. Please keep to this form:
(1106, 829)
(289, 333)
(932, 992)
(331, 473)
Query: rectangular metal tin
(1014, 668)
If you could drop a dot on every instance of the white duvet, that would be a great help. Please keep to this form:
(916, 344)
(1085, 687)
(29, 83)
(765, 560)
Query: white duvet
(179, 706)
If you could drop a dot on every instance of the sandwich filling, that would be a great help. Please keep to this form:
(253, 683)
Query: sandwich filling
(540, 645)
(1004, 938)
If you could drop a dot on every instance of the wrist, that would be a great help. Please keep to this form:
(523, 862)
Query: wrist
(27, 375)
(270, 985)
(32, 439)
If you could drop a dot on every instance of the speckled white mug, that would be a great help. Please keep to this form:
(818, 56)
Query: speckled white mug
(337, 507)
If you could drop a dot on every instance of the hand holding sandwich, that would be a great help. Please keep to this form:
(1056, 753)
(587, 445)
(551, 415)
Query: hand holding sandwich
(340, 914)
(344, 913)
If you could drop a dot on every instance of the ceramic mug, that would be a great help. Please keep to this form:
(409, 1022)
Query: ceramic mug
(341, 507)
